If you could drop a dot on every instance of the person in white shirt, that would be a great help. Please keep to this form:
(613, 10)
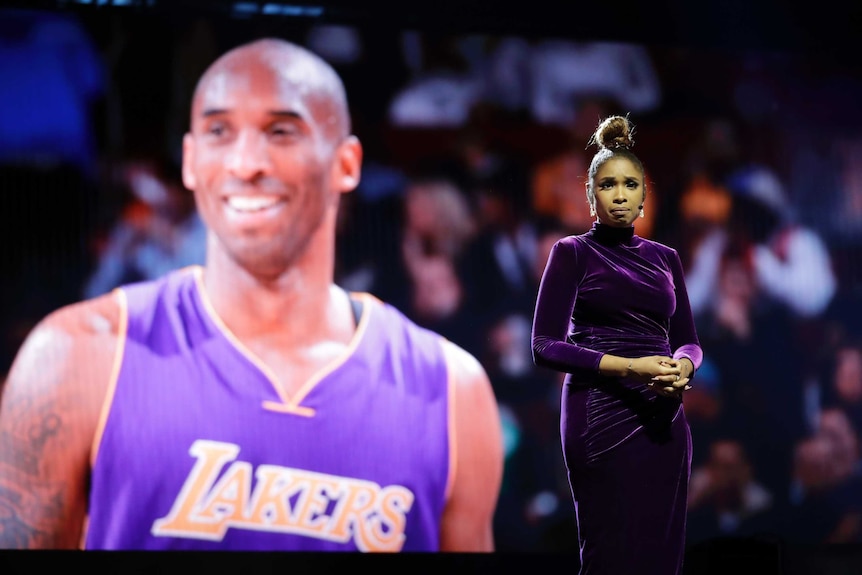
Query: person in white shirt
(792, 263)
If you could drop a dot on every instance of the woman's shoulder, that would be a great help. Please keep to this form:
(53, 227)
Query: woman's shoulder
(657, 246)
(572, 243)
(567, 241)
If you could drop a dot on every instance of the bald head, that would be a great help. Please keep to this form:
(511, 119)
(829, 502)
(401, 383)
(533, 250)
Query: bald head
(292, 68)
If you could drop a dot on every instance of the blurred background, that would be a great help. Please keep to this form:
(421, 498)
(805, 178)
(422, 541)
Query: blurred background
(475, 132)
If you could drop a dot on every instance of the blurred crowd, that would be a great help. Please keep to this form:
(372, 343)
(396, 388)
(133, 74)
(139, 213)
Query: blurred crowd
(476, 155)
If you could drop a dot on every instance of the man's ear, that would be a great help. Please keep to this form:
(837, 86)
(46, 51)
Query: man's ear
(348, 164)
(189, 180)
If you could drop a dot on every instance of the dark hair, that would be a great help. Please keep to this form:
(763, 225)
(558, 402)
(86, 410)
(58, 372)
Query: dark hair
(614, 139)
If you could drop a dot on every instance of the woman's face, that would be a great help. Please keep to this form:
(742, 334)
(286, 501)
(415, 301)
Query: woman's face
(619, 192)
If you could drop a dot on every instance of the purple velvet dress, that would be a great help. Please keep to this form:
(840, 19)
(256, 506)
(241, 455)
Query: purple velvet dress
(627, 449)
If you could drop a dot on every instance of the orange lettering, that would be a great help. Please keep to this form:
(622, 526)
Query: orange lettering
(228, 498)
(370, 531)
(314, 502)
(211, 457)
(269, 504)
(351, 509)
(395, 503)
(207, 506)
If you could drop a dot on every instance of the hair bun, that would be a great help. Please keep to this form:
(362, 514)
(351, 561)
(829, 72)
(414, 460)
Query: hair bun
(614, 132)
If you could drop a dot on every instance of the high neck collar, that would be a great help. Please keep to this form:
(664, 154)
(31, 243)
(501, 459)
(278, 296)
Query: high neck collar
(611, 235)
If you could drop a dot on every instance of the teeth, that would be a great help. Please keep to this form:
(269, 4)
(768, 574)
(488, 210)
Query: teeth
(251, 204)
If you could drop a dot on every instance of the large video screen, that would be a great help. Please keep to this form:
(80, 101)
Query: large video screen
(476, 154)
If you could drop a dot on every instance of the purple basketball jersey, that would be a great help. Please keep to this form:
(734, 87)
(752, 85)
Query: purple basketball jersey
(199, 449)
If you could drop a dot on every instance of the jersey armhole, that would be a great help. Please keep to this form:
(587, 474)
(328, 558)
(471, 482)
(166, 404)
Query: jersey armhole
(122, 331)
(451, 425)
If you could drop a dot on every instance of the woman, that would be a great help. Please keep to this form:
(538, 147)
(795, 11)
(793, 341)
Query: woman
(612, 312)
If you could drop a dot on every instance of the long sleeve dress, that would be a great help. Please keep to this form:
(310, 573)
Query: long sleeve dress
(627, 449)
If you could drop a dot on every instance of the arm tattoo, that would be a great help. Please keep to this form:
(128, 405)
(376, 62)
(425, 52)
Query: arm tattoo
(23, 448)
(30, 504)
(15, 532)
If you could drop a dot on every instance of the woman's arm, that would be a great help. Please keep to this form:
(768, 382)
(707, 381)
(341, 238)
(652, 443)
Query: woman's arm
(684, 342)
(555, 301)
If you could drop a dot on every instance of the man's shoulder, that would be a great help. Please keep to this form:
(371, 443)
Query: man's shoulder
(172, 280)
(385, 312)
(463, 364)
(95, 317)
(78, 333)
(69, 354)
(404, 326)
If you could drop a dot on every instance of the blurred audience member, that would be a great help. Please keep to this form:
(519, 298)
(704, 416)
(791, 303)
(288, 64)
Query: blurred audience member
(516, 380)
(763, 396)
(844, 381)
(444, 87)
(437, 301)
(705, 205)
(826, 495)
(498, 264)
(791, 262)
(704, 410)
(533, 487)
(835, 426)
(438, 219)
(437, 225)
(158, 231)
(563, 71)
(725, 498)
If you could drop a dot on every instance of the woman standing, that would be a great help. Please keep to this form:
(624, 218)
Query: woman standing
(612, 312)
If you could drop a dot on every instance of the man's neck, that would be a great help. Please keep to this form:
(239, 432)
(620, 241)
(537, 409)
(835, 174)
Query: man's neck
(298, 301)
